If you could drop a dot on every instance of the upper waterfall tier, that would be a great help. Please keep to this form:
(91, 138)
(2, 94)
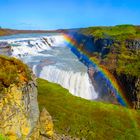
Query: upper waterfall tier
(31, 46)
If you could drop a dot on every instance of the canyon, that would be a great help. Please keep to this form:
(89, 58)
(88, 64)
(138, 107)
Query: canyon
(77, 67)
(47, 67)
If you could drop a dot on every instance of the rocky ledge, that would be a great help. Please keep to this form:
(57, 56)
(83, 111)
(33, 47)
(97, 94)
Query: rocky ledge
(20, 117)
(119, 56)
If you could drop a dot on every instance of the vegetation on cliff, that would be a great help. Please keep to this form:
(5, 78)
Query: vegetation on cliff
(12, 71)
(118, 32)
(87, 119)
(3, 137)
(129, 62)
(124, 52)
(19, 110)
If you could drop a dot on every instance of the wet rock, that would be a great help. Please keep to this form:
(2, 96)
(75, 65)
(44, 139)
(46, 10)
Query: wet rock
(133, 44)
(5, 49)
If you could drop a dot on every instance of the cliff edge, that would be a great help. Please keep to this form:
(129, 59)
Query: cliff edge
(117, 49)
(19, 113)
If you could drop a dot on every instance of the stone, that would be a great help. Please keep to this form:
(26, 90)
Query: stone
(19, 112)
(46, 124)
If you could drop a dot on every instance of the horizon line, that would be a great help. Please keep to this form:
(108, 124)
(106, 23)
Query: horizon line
(73, 28)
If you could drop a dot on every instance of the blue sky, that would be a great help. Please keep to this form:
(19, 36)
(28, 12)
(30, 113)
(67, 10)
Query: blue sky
(57, 14)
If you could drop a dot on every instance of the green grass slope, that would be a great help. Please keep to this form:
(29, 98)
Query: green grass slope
(3, 137)
(118, 32)
(86, 119)
(121, 58)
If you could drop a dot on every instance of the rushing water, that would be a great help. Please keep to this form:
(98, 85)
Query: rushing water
(52, 60)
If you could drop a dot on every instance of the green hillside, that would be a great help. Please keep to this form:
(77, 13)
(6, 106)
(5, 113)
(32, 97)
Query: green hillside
(123, 57)
(86, 119)
(118, 32)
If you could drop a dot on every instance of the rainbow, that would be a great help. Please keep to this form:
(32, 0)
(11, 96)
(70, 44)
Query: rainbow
(110, 79)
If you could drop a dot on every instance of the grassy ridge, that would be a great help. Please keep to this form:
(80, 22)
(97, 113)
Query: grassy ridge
(118, 32)
(85, 119)
(121, 58)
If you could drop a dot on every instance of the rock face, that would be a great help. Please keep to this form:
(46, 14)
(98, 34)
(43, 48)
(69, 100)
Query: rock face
(19, 110)
(5, 49)
(133, 44)
(132, 87)
(20, 117)
(19, 114)
(44, 127)
(46, 124)
(100, 48)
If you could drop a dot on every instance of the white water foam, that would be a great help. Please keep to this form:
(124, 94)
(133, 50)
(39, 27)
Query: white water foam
(65, 70)
(33, 46)
(78, 83)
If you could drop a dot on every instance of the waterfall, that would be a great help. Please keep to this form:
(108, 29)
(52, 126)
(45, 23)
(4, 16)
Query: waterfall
(50, 59)
(21, 47)
(28, 47)
(78, 83)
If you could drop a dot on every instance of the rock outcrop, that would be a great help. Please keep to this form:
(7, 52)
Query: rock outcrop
(101, 48)
(20, 117)
(44, 127)
(19, 110)
(5, 48)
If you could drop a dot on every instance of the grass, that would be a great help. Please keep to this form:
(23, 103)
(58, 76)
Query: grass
(120, 58)
(3, 137)
(119, 32)
(87, 119)
(12, 71)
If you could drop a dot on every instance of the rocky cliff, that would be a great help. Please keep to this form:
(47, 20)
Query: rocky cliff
(20, 117)
(19, 110)
(120, 56)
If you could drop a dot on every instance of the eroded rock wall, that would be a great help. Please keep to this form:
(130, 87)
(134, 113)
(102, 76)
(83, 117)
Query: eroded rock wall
(100, 48)
(19, 111)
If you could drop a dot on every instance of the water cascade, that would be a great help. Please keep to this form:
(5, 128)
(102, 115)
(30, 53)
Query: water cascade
(50, 59)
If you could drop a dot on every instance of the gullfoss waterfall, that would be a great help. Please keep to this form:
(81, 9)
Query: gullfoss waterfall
(51, 59)
(57, 59)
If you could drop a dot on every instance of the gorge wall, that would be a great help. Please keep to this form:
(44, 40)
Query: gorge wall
(115, 56)
(20, 117)
(19, 110)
